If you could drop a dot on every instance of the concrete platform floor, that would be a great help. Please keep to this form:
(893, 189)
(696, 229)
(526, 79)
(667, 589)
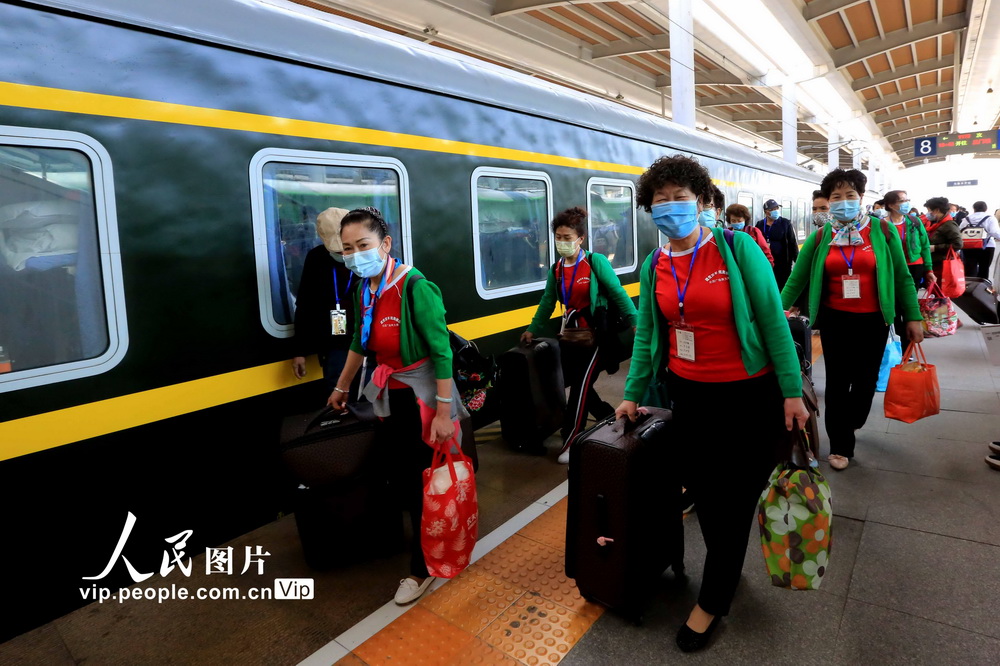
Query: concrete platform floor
(914, 574)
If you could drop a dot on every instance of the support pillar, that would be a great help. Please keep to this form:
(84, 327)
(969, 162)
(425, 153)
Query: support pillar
(833, 148)
(682, 62)
(856, 158)
(789, 123)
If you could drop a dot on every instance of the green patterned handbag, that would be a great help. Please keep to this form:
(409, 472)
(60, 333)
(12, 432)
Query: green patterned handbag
(794, 516)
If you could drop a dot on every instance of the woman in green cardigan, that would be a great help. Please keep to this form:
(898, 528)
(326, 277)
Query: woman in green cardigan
(858, 277)
(583, 282)
(400, 318)
(710, 316)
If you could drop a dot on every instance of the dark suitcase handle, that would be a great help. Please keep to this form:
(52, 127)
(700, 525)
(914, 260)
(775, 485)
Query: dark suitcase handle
(325, 414)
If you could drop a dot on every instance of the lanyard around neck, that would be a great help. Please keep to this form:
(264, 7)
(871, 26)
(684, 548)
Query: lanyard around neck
(336, 289)
(562, 278)
(849, 262)
(681, 294)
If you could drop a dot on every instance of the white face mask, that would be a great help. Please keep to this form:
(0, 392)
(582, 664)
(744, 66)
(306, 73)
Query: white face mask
(568, 249)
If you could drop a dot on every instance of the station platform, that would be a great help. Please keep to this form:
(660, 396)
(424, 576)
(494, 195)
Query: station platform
(913, 578)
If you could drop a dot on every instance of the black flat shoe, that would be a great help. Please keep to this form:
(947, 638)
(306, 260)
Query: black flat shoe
(689, 640)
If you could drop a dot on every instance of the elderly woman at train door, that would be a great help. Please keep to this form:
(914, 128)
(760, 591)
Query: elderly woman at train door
(587, 286)
(710, 318)
(400, 318)
(857, 278)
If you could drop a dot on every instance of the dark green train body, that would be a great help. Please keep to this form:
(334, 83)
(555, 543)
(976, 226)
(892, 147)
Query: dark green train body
(183, 111)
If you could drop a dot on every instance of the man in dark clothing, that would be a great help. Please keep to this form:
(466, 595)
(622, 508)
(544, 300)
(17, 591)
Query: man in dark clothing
(780, 236)
(321, 327)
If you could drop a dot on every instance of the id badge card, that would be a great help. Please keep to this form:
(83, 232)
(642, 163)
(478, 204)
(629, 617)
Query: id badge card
(852, 286)
(685, 343)
(338, 322)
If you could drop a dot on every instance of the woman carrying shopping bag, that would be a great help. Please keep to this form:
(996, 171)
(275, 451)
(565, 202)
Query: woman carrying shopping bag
(710, 313)
(858, 277)
(400, 318)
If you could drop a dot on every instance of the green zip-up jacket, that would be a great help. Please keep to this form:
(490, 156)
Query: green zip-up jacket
(916, 228)
(891, 273)
(760, 323)
(423, 333)
(604, 283)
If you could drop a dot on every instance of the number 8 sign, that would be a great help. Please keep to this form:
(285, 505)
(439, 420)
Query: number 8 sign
(925, 147)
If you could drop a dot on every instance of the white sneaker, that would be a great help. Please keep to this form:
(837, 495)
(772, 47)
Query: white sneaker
(410, 590)
(564, 457)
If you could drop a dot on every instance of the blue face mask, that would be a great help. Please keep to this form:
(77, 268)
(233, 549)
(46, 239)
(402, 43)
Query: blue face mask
(775, 214)
(706, 218)
(738, 226)
(676, 219)
(845, 210)
(367, 263)
(904, 207)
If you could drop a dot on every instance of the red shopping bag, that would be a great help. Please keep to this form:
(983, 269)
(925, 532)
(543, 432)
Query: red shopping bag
(913, 392)
(449, 524)
(952, 275)
(940, 316)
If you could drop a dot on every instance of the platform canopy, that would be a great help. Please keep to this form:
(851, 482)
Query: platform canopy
(871, 75)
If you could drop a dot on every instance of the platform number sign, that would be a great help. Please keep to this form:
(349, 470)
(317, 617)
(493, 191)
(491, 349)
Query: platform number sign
(925, 147)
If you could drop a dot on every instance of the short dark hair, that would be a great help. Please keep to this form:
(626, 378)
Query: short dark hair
(838, 177)
(892, 198)
(575, 218)
(737, 210)
(880, 202)
(979, 207)
(370, 216)
(939, 204)
(674, 170)
(818, 194)
(718, 198)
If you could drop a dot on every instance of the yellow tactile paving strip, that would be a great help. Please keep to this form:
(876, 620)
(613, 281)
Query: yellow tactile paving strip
(513, 606)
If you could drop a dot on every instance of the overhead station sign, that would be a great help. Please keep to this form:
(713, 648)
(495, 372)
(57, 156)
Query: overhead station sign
(955, 144)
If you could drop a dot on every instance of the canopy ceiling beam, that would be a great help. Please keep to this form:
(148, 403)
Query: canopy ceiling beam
(511, 7)
(848, 55)
(914, 93)
(914, 111)
(716, 77)
(814, 11)
(889, 75)
(751, 97)
(914, 125)
(624, 47)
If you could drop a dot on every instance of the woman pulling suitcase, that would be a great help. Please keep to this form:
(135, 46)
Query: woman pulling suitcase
(710, 313)
(583, 282)
(400, 318)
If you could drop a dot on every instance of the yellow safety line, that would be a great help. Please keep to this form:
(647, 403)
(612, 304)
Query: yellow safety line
(72, 101)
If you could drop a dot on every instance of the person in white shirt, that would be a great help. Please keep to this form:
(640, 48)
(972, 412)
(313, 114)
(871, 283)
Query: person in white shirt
(977, 260)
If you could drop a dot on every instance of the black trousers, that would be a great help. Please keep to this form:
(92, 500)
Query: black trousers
(917, 272)
(407, 456)
(977, 262)
(726, 459)
(581, 366)
(853, 345)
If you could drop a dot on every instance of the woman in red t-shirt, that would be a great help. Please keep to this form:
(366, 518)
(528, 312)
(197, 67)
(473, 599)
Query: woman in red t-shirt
(583, 282)
(710, 316)
(737, 217)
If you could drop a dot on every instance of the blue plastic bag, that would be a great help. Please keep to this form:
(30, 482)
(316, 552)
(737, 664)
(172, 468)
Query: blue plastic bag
(891, 357)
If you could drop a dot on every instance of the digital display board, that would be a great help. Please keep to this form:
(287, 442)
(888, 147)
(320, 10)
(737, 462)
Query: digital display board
(955, 144)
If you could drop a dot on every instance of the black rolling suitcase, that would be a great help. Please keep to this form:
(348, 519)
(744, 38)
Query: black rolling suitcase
(532, 393)
(979, 301)
(343, 494)
(624, 521)
(802, 335)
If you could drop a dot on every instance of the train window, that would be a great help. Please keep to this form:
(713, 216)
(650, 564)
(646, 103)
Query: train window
(611, 222)
(746, 199)
(786, 211)
(62, 308)
(803, 225)
(511, 210)
(290, 188)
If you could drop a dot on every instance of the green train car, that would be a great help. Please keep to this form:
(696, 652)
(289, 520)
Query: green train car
(161, 167)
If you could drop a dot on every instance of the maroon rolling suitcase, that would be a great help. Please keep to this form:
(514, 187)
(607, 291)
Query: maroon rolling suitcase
(624, 520)
(532, 394)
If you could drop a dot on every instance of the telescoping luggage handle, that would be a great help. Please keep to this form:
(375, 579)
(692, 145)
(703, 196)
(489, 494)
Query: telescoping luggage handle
(324, 420)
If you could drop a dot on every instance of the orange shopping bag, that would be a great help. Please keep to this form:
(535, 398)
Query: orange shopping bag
(913, 391)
